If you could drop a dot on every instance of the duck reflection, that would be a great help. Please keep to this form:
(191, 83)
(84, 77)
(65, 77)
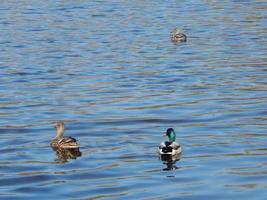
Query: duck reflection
(170, 161)
(65, 154)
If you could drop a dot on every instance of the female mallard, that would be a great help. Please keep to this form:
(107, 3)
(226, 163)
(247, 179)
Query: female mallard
(170, 147)
(61, 141)
(178, 36)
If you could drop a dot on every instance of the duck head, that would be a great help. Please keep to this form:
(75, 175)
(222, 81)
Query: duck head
(178, 36)
(171, 134)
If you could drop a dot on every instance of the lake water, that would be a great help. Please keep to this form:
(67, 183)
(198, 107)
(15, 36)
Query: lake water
(109, 70)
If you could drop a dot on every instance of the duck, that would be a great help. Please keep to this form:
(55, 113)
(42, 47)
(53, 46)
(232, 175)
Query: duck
(170, 148)
(63, 142)
(178, 36)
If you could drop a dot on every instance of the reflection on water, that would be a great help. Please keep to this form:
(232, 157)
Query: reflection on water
(65, 154)
(170, 161)
(110, 69)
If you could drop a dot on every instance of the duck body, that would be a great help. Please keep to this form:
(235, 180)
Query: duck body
(63, 142)
(170, 147)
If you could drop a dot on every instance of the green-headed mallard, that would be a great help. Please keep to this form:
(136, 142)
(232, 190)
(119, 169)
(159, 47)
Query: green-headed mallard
(170, 147)
(178, 36)
(61, 141)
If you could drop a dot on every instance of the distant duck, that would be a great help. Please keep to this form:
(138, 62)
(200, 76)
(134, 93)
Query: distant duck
(170, 148)
(63, 142)
(178, 36)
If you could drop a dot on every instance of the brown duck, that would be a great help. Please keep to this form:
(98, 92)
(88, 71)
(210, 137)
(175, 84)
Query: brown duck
(178, 36)
(63, 142)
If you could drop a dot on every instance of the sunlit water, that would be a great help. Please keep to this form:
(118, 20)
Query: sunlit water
(111, 72)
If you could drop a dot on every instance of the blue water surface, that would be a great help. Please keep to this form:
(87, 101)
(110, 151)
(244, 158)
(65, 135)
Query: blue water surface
(109, 70)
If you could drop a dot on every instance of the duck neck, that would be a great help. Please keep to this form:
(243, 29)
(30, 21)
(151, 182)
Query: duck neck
(60, 132)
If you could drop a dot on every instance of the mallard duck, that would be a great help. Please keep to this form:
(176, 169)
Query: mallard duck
(170, 147)
(178, 36)
(61, 141)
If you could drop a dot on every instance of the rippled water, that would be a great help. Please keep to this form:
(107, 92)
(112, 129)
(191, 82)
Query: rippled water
(110, 71)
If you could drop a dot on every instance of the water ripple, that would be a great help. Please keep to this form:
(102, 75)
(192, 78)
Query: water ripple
(111, 72)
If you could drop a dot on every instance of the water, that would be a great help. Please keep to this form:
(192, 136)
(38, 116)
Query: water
(110, 71)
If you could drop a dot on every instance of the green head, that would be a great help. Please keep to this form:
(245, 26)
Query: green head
(171, 134)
